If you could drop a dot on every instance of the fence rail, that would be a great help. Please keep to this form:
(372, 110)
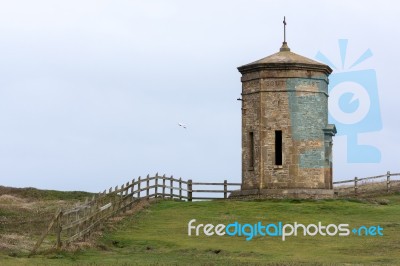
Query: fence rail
(358, 185)
(80, 221)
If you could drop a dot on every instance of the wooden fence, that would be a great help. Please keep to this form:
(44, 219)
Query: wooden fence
(367, 185)
(78, 222)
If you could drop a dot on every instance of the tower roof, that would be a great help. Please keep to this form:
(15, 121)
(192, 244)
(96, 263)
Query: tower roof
(285, 60)
(286, 56)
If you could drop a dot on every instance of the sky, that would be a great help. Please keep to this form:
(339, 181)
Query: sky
(91, 92)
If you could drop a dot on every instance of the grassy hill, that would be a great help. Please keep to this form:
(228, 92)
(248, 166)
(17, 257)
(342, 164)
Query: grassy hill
(26, 212)
(157, 235)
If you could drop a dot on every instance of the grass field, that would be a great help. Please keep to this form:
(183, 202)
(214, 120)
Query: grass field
(26, 212)
(157, 235)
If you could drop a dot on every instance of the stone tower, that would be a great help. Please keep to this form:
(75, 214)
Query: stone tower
(286, 138)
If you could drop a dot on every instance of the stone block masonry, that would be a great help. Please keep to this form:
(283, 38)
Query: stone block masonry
(286, 138)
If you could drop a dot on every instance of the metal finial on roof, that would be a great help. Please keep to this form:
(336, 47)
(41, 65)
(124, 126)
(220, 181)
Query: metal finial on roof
(284, 47)
(284, 29)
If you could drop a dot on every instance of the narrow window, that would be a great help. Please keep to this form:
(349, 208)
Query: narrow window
(251, 150)
(278, 147)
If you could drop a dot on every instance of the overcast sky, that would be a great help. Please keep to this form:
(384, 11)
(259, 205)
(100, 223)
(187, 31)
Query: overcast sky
(91, 91)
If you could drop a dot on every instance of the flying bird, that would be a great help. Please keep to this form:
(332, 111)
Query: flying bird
(182, 125)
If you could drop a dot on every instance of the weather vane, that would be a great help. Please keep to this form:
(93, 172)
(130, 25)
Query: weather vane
(284, 29)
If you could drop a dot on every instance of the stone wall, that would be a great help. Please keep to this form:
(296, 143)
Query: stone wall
(295, 102)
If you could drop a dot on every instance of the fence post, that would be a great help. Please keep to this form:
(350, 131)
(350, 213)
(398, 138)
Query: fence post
(163, 186)
(114, 207)
(156, 187)
(355, 185)
(189, 189)
(138, 187)
(225, 189)
(112, 201)
(69, 230)
(58, 229)
(388, 181)
(148, 185)
(132, 192)
(77, 226)
(44, 234)
(126, 189)
(125, 197)
(180, 188)
(171, 189)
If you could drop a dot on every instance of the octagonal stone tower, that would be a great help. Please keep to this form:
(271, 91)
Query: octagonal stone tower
(286, 138)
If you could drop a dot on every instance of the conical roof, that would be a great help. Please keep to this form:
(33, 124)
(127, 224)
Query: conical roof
(287, 60)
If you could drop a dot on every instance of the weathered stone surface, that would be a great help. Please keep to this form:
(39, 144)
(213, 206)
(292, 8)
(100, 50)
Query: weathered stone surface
(283, 193)
(289, 93)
